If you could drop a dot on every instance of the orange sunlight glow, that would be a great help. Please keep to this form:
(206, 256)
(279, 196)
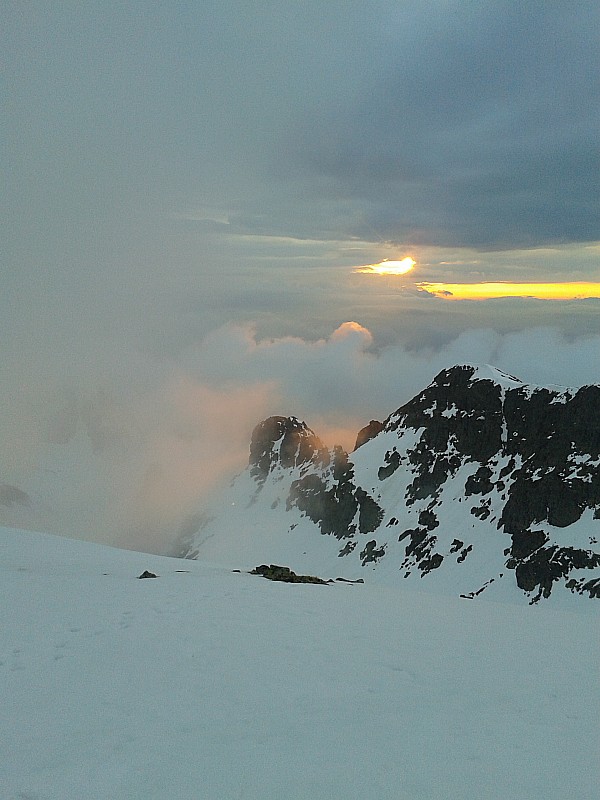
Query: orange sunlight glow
(486, 291)
(386, 267)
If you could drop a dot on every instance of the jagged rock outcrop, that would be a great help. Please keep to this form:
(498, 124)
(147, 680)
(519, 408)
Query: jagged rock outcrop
(334, 502)
(284, 441)
(368, 432)
(536, 450)
(274, 572)
(478, 482)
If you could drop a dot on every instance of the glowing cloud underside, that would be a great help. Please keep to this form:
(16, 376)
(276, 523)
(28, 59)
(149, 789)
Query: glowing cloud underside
(486, 291)
(388, 267)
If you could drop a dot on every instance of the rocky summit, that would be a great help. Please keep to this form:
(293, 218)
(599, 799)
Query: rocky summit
(479, 484)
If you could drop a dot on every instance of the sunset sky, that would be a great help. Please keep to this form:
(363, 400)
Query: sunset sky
(193, 195)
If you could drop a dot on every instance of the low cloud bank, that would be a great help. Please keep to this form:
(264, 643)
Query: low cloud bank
(132, 466)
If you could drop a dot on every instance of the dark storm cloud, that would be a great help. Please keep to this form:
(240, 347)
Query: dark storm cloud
(479, 128)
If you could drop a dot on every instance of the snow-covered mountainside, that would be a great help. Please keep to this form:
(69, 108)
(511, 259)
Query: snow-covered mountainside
(203, 684)
(479, 484)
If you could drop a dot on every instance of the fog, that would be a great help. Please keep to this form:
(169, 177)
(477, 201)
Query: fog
(188, 189)
(131, 458)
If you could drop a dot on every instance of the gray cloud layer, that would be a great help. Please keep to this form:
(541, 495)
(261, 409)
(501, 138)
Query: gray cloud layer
(181, 174)
(445, 123)
(130, 458)
(479, 126)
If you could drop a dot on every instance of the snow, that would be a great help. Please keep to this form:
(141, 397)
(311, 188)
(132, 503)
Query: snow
(258, 527)
(212, 684)
(582, 534)
(490, 373)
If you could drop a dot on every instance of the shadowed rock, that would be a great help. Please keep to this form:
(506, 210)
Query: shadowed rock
(276, 573)
(367, 433)
(524, 461)
(284, 441)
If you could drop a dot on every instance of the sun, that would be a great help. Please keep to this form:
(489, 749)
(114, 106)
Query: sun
(387, 267)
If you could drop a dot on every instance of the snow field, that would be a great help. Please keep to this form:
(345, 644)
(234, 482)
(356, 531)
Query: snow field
(213, 684)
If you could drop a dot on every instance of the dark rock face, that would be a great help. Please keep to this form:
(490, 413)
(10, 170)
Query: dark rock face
(556, 439)
(524, 462)
(392, 462)
(420, 553)
(276, 573)
(461, 420)
(367, 433)
(456, 413)
(285, 441)
(480, 482)
(547, 565)
(371, 552)
(334, 509)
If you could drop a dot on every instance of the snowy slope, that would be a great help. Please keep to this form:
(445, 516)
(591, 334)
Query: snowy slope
(207, 684)
(479, 484)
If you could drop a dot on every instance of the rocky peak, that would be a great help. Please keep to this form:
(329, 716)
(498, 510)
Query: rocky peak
(369, 432)
(479, 479)
(460, 411)
(284, 441)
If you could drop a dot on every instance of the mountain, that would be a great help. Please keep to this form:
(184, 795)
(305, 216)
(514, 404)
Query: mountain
(480, 483)
(204, 684)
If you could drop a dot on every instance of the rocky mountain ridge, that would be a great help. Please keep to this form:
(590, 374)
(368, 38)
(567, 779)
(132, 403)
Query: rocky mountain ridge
(479, 481)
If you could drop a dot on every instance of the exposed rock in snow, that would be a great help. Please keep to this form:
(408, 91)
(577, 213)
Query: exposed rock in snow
(284, 574)
(368, 432)
(209, 684)
(284, 442)
(480, 482)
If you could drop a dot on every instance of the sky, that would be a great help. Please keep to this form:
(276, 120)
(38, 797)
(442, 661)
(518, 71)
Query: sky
(190, 191)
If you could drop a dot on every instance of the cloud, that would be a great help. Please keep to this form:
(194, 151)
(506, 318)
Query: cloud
(478, 127)
(431, 123)
(129, 467)
(343, 377)
(189, 191)
(387, 267)
(132, 461)
(196, 438)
